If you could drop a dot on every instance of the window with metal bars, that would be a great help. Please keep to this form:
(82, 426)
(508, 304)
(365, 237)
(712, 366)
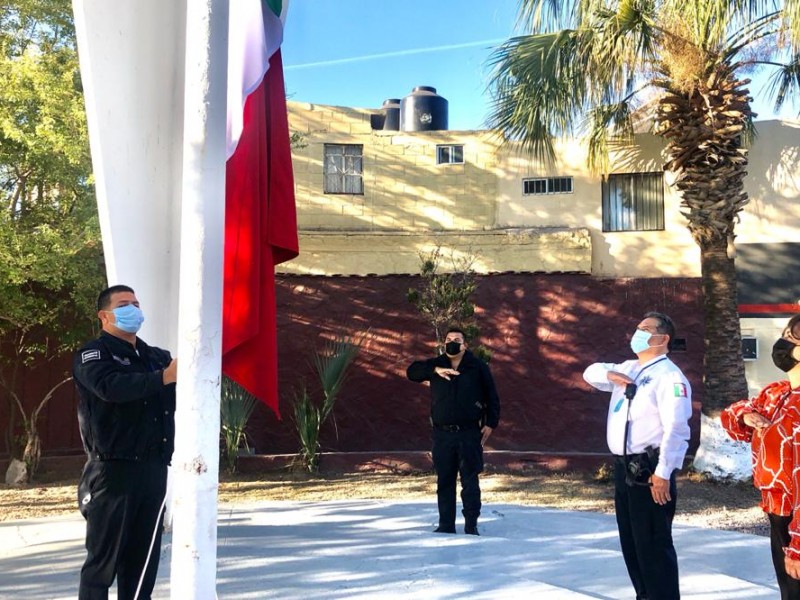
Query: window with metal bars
(633, 202)
(344, 169)
(450, 154)
(536, 186)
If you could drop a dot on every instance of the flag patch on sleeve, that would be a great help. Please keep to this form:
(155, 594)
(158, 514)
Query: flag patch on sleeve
(88, 355)
(680, 390)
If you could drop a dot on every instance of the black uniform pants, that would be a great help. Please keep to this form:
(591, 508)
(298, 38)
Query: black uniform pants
(645, 534)
(457, 453)
(779, 539)
(121, 502)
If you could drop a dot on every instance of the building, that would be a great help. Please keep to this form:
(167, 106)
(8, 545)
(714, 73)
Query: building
(370, 200)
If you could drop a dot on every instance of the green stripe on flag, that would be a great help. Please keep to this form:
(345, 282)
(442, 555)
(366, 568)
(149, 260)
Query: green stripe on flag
(275, 6)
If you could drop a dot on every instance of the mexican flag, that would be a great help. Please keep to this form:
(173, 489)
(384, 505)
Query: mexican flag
(260, 216)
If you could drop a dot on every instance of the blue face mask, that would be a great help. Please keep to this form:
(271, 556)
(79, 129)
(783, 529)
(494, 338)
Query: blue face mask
(639, 341)
(129, 318)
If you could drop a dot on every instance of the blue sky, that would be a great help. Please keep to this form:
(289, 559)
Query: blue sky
(361, 52)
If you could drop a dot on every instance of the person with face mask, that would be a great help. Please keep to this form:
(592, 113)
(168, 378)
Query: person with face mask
(126, 414)
(770, 423)
(465, 409)
(648, 432)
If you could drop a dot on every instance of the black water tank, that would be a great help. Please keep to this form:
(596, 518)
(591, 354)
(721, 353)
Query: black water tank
(423, 110)
(391, 110)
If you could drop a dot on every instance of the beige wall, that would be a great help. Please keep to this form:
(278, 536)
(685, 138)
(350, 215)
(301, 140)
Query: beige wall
(773, 184)
(631, 253)
(760, 372)
(382, 253)
(406, 191)
(404, 188)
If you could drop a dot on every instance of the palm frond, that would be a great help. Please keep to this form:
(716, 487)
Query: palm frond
(308, 420)
(548, 16)
(785, 83)
(332, 363)
(791, 19)
(236, 406)
(539, 89)
(623, 48)
(750, 35)
(606, 123)
(545, 84)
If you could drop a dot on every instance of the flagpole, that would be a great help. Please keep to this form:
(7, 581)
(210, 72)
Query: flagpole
(196, 459)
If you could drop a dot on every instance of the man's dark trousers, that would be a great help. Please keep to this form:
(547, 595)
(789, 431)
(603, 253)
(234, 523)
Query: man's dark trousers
(645, 534)
(122, 515)
(457, 453)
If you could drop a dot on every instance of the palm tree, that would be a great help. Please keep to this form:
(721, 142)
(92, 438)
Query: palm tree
(600, 68)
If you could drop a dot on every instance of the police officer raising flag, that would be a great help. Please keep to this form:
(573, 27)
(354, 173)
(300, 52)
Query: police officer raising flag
(465, 409)
(126, 412)
(648, 431)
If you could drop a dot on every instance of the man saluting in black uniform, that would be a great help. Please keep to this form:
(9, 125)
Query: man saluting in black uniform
(465, 409)
(126, 414)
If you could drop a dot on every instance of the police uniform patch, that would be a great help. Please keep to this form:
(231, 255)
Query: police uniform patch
(123, 361)
(88, 355)
(679, 389)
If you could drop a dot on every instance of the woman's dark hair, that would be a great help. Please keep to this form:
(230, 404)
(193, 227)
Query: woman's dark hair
(793, 327)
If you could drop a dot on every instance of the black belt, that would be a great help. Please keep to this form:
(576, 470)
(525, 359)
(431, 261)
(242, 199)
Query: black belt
(147, 455)
(457, 428)
(629, 457)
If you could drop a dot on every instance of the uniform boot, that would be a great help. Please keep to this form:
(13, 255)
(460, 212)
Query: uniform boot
(471, 527)
(445, 529)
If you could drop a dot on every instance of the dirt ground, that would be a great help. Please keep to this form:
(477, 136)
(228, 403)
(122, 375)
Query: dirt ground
(730, 506)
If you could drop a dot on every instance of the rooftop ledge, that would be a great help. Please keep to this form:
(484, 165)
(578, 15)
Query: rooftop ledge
(524, 249)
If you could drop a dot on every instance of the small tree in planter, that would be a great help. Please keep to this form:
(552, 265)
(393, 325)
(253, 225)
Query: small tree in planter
(331, 364)
(236, 406)
(443, 299)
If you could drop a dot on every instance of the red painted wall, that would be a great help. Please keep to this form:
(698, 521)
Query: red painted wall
(542, 329)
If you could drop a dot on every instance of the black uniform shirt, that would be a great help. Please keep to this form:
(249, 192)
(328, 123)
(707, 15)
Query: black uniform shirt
(125, 411)
(467, 398)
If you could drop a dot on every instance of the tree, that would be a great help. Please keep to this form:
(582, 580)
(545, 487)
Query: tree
(444, 299)
(598, 67)
(50, 253)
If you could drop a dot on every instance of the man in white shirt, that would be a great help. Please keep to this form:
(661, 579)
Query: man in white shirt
(648, 432)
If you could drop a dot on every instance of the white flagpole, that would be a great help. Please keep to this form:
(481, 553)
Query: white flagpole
(196, 460)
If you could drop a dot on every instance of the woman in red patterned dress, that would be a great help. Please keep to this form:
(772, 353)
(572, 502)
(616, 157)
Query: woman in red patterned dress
(771, 422)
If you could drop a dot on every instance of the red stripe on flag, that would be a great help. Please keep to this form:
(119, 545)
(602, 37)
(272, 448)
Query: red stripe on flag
(260, 232)
(769, 308)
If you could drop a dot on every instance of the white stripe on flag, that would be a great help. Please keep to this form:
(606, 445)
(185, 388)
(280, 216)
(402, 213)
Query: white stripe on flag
(253, 36)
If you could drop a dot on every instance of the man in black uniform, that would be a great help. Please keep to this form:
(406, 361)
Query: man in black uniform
(465, 409)
(126, 413)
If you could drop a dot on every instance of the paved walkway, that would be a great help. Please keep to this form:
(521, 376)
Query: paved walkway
(381, 550)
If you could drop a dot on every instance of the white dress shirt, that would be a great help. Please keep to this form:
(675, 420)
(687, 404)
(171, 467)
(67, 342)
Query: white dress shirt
(659, 412)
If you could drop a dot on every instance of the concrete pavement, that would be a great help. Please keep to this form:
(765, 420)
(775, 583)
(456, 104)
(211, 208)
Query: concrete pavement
(376, 549)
